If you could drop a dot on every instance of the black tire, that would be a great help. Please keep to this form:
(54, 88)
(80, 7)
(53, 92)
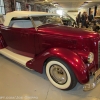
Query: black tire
(60, 74)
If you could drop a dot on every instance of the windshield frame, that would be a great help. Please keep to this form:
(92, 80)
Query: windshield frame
(41, 21)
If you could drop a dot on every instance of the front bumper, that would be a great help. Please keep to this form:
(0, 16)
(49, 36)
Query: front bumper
(95, 81)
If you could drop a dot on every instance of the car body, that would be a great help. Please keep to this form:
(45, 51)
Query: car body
(39, 40)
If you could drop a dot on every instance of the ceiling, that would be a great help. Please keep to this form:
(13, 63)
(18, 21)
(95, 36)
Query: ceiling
(70, 5)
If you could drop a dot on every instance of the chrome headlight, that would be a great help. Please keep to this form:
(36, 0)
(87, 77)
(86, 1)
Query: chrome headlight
(90, 57)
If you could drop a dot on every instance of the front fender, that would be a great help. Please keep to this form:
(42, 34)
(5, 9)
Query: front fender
(83, 55)
(69, 57)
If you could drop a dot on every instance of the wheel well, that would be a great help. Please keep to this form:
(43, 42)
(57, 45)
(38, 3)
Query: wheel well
(45, 62)
(56, 58)
(65, 64)
(50, 58)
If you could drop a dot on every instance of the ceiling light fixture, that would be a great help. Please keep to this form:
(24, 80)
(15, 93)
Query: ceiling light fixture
(85, 4)
(88, 1)
(55, 4)
(59, 12)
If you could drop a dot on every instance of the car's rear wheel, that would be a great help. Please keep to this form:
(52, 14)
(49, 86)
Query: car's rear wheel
(60, 74)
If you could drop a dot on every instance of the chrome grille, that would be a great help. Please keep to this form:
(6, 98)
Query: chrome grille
(98, 54)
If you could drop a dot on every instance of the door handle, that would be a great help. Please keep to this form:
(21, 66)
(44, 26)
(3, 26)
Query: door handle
(24, 34)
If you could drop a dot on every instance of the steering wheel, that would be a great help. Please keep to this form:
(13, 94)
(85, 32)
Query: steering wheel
(48, 21)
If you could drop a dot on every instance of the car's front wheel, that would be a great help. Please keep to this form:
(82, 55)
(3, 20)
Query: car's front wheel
(60, 74)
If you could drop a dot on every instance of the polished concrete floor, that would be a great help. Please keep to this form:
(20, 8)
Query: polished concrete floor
(19, 83)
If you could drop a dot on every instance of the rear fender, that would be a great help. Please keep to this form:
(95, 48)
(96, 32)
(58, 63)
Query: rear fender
(2, 42)
(69, 57)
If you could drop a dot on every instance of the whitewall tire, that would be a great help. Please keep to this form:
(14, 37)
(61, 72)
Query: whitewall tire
(60, 75)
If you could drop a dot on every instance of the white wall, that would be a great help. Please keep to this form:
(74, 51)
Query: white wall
(92, 9)
(72, 14)
(82, 10)
(98, 11)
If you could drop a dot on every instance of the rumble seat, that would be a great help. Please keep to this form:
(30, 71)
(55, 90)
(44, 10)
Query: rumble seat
(21, 24)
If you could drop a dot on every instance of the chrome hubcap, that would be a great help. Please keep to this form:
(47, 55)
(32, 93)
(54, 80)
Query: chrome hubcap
(58, 74)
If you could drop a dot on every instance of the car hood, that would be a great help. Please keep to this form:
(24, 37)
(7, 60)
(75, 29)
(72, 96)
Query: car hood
(67, 31)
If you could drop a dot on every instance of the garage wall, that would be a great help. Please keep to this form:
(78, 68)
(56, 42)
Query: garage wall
(98, 11)
(84, 10)
(10, 6)
(7, 4)
(23, 6)
(72, 14)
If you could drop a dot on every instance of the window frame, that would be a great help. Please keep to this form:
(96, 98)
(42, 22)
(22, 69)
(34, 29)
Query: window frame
(22, 19)
(18, 8)
(2, 6)
(30, 7)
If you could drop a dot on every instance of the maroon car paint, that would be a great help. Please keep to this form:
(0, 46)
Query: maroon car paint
(2, 42)
(69, 44)
(67, 31)
(16, 39)
(71, 58)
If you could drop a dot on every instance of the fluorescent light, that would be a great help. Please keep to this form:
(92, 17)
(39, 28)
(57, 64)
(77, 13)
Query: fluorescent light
(59, 12)
(88, 1)
(84, 5)
(80, 8)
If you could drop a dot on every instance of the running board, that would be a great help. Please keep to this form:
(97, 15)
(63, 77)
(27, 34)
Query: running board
(15, 57)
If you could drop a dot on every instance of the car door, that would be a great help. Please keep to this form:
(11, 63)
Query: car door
(20, 39)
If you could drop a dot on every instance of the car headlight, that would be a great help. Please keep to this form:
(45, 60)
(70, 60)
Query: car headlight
(90, 57)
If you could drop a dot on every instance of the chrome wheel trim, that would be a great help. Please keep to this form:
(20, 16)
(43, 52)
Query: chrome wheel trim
(58, 74)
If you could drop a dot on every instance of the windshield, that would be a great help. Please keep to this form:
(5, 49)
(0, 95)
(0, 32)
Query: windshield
(49, 19)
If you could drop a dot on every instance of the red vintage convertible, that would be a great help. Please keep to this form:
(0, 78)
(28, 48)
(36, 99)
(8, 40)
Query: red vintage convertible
(39, 40)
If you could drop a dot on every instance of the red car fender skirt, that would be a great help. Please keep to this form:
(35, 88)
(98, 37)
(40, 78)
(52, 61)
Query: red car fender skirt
(68, 56)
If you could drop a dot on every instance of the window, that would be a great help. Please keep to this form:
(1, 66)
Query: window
(22, 22)
(49, 19)
(2, 9)
(18, 6)
(29, 7)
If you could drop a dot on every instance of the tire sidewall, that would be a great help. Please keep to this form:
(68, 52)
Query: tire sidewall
(68, 82)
